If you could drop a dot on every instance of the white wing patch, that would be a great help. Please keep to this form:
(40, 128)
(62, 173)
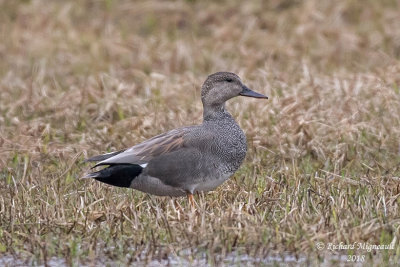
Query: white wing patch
(109, 153)
(143, 165)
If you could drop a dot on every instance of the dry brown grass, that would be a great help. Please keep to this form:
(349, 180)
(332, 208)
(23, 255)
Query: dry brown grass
(85, 77)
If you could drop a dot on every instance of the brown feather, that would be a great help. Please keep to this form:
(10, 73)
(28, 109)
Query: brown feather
(156, 146)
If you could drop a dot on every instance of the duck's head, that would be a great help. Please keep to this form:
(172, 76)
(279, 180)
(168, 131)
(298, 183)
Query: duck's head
(222, 86)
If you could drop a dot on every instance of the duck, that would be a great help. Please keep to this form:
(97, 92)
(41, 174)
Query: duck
(186, 160)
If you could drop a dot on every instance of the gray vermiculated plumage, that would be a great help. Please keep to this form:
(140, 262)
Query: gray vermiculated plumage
(188, 159)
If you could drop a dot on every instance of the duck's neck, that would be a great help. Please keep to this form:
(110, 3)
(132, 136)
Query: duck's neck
(214, 112)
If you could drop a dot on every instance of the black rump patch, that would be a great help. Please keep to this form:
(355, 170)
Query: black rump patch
(120, 175)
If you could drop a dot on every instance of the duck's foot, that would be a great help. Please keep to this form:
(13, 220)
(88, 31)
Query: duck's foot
(191, 200)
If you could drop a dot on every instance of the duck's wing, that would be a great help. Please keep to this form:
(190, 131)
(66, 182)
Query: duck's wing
(142, 153)
(104, 156)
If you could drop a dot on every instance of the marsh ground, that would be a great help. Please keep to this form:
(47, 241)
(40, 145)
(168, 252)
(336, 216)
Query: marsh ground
(78, 78)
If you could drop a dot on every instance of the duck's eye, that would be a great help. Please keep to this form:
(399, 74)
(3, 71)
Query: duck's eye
(229, 80)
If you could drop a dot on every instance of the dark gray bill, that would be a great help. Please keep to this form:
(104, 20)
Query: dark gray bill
(247, 92)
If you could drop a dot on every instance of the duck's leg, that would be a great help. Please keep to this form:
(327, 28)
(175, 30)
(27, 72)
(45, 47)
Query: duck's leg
(190, 198)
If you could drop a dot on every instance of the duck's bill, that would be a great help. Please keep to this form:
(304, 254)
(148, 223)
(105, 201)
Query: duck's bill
(249, 93)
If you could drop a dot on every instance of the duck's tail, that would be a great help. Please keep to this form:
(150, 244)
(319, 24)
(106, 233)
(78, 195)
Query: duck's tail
(120, 175)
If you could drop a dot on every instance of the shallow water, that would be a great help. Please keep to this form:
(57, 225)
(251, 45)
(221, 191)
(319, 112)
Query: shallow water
(231, 259)
(243, 260)
(187, 258)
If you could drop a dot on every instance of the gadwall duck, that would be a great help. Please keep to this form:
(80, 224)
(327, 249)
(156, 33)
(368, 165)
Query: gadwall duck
(188, 159)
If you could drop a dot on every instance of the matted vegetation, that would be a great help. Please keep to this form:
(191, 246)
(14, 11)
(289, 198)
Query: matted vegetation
(78, 78)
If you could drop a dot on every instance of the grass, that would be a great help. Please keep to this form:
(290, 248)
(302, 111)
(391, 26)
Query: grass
(78, 78)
